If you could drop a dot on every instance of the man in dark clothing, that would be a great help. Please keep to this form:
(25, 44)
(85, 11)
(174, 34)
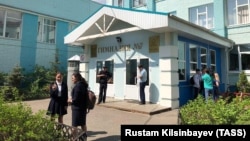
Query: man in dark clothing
(103, 76)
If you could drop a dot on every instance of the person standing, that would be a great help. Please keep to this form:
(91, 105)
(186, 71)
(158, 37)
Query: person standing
(142, 79)
(103, 76)
(197, 83)
(58, 98)
(208, 83)
(216, 84)
(78, 102)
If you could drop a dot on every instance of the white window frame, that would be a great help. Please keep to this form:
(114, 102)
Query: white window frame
(238, 12)
(139, 3)
(43, 35)
(7, 31)
(202, 54)
(242, 14)
(193, 57)
(202, 15)
(212, 64)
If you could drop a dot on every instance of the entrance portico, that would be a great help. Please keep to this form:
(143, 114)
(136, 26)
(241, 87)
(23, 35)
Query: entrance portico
(151, 39)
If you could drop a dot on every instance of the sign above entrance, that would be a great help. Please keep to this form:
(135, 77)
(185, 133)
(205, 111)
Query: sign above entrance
(124, 47)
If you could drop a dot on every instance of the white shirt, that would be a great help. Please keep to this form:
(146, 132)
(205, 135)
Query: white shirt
(59, 85)
(143, 75)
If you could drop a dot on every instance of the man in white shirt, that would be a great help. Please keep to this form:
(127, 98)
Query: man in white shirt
(142, 79)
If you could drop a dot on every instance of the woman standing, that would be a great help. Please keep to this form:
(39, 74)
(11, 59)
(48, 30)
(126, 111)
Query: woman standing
(216, 86)
(58, 98)
(79, 101)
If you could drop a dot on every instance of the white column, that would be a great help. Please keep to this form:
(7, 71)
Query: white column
(169, 80)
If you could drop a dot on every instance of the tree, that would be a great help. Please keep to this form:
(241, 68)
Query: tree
(243, 85)
(15, 77)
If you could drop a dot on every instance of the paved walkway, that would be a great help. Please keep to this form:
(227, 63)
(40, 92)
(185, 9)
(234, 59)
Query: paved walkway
(124, 105)
(104, 122)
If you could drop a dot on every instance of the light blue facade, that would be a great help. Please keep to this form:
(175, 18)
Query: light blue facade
(175, 38)
(27, 51)
(230, 20)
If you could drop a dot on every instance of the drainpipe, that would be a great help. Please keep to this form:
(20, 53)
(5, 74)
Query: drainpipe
(227, 50)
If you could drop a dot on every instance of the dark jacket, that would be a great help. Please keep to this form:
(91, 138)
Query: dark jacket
(79, 96)
(104, 79)
(57, 104)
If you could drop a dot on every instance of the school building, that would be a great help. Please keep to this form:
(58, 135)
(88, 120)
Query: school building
(171, 38)
(166, 45)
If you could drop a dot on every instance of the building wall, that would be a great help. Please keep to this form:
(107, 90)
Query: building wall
(9, 54)
(28, 41)
(119, 77)
(75, 10)
(27, 51)
(239, 34)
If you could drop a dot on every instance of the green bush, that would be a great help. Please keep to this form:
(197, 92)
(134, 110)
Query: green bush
(9, 93)
(243, 85)
(201, 112)
(19, 123)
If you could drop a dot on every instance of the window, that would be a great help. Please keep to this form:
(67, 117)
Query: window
(203, 57)
(238, 12)
(110, 66)
(46, 30)
(10, 23)
(118, 3)
(181, 60)
(193, 57)
(213, 60)
(234, 60)
(202, 15)
(131, 70)
(245, 57)
(138, 3)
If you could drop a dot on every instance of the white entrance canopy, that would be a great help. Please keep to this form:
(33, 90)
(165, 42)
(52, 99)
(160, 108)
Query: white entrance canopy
(111, 21)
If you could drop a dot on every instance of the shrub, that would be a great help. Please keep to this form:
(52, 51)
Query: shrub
(9, 93)
(19, 123)
(243, 85)
(201, 112)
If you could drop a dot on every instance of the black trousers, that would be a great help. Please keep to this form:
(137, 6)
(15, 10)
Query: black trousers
(142, 92)
(102, 93)
(196, 92)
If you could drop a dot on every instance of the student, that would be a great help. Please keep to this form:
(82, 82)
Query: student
(142, 79)
(103, 76)
(79, 102)
(58, 98)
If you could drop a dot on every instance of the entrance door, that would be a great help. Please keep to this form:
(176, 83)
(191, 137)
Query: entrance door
(131, 87)
(132, 71)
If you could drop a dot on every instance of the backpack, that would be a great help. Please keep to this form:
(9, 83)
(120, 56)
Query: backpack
(191, 80)
(91, 100)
